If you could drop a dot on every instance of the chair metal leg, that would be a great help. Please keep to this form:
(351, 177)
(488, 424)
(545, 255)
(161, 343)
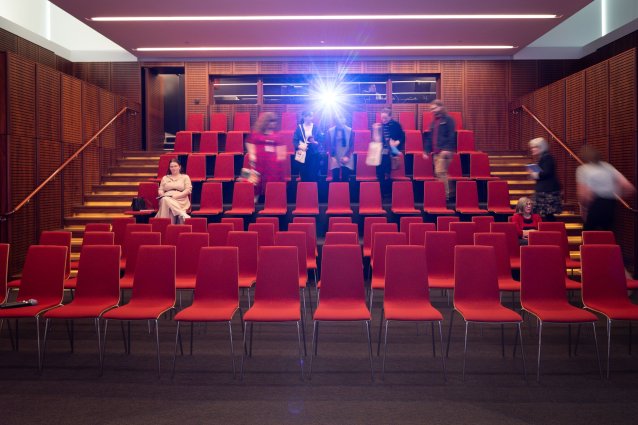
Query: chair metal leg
(244, 354)
(449, 334)
(106, 324)
(608, 344)
(380, 328)
(37, 334)
(600, 368)
(371, 296)
(370, 350)
(502, 340)
(303, 333)
(538, 366)
(17, 335)
(158, 348)
(299, 324)
(99, 340)
(520, 336)
(385, 347)
(442, 356)
(310, 300)
(44, 340)
(232, 348)
(433, 341)
(250, 350)
(465, 348)
(177, 339)
(69, 330)
(313, 350)
(191, 340)
(124, 337)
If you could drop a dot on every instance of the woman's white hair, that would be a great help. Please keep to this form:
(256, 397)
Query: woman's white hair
(539, 143)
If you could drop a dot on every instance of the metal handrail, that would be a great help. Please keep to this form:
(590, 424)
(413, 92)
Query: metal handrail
(571, 152)
(64, 164)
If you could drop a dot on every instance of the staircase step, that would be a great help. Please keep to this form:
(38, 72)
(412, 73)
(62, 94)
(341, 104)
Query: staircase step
(108, 208)
(110, 197)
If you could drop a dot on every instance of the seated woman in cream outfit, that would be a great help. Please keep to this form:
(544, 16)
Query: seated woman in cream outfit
(174, 191)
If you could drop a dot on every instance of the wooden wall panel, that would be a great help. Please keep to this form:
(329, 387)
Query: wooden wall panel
(99, 73)
(247, 67)
(90, 168)
(428, 67)
(46, 57)
(324, 68)
(90, 111)
(523, 78)
(575, 107)
(350, 67)
(403, 67)
(597, 104)
(49, 200)
(376, 67)
(8, 41)
(107, 112)
(220, 68)
(48, 104)
(63, 65)
(71, 110)
(81, 70)
(268, 67)
(622, 93)
(196, 91)
(27, 49)
(72, 178)
(21, 87)
(126, 80)
(452, 85)
(154, 111)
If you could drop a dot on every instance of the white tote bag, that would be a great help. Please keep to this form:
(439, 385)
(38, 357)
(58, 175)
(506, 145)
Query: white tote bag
(373, 158)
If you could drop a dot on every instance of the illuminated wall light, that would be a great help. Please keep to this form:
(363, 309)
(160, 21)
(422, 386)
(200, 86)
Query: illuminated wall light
(315, 48)
(603, 17)
(314, 17)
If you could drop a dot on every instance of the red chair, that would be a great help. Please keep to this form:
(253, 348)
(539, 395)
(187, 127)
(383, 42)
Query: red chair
(162, 166)
(398, 173)
(367, 232)
(339, 199)
(543, 293)
(187, 256)
(498, 241)
(416, 232)
(148, 192)
(132, 228)
(370, 199)
(374, 229)
(480, 167)
(209, 143)
(467, 198)
(362, 139)
(464, 232)
(218, 122)
(512, 241)
(476, 294)
(428, 117)
(458, 119)
(407, 120)
(159, 224)
(363, 171)
(196, 168)
(275, 202)
(483, 223)
(211, 202)
(183, 143)
(422, 168)
(59, 238)
(598, 237)
(288, 121)
(97, 291)
(552, 238)
(454, 172)
(218, 233)
(443, 223)
(153, 292)
(198, 225)
(42, 279)
(89, 239)
(403, 198)
(97, 227)
(234, 143)
(276, 294)
(311, 220)
(247, 244)
(377, 264)
(360, 120)
(195, 122)
(413, 142)
(307, 199)
(224, 168)
(498, 197)
(4, 270)
(342, 293)
(135, 241)
(241, 122)
(558, 226)
(173, 231)
(311, 244)
(334, 220)
(346, 227)
(604, 288)
(237, 222)
(434, 198)
(439, 252)
(341, 238)
(298, 240)
(465, 141)
(404, 223)
(243, 199)
(216, 297)
(272, 220)
(119, 229)
(265, 232)
(407, 294)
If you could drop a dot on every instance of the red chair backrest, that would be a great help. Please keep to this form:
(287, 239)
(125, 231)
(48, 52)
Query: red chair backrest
(428, 117)
(224, 166)
(59, 238)
(173, 231)
(413, 142)
(98, 238)
(298, 240)
(334, 220)
(458, 119)
(511, 234)
(422, 168)
(198, 224)
(135, 240)
(434, 195)
(288, 121)
(479, 165)
(307, 196)
(311, 236)
(265, 232)
(598, 237)
(498, 241)
(475, 277)
(466, 194)
(439, 251)
(246, 243)
(99, 274)
(196, 167)
(556, 226)
(402, 195)
(162, 165)
(483, 222)
(244, 195)
(241, 121)
(406, 273)
(272, 220)
(342, 273)
(603, 273)
(367, 229)
(217, 276)
(154, 277)
(188, 247)
(380, 227)
(369, 195)
(345, 227)
(195, 122)
(119, 229)
(542, 275)
(209, 142)
(275, 195)
(341, 238)
(148, 192)
(211, 197)
(465, 141)
(443, 222)
(237, 222)
(159, 224)
(363, 170)
(218, 122)
(404, 223)
(360, 120)
(218, 233)
(97, 227)
(416, 232)
(338, 195)
(454, 169)
(398, 173)
(43, 274)
(381, 241)
(407, 120)
(498, 194)
(277, 275)
(464, 232)
(183, 142)
(361, 141)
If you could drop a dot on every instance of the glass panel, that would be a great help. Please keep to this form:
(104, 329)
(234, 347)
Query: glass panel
(235, 90)
(413, 88)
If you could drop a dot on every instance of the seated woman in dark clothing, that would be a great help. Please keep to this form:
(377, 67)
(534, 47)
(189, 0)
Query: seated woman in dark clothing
(524, 219)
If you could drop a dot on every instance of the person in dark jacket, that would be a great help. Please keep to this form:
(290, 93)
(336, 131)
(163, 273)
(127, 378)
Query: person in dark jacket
(393, 139)
(440, 141)
(340, 146)
(547, 196)
(307, 137)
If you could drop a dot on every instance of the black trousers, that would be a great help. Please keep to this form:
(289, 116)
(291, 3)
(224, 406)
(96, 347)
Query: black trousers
(309, 171)
(383, 175)
(600, 214)
(341, 174)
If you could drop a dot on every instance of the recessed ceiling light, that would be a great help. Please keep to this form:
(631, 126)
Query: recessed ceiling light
(310, 48)
(316, 17)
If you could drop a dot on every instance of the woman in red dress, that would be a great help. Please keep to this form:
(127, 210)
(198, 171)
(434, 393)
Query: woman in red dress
(266, 152)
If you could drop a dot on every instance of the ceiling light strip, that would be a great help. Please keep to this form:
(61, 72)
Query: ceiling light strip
(314, 48)
(315, 17)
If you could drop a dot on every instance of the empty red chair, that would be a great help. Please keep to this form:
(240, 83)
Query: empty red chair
(247, 244)
(211, 200)
(362, 139)
(265, 232)
(59, 238)
(480, 167)
(272, 220)
(443, 223)
(367, 232)
(464, 232)
(374, 229)
(558, 226)
(422, 168)
(483, 223)
(162, 166)
(454, 172)
(97, 227)
(428, 117)
(552, 238)
(434, 198)
(398, 172)
(119, 229)
(407, 120)
(135, 240)
(465, 141)
(407, 293)
(196, 168)
(404, 223)
(159, 224)
(173, 231)
(342, 293)
(498, 241)
(370, 199)
(298, 240)
(243, 199)
(183, 143)
(439, 251)
(275, 202)
(148, 192)
(234, 143)
(218, 122)
(311, 244)
(198, 225)
(403, 198)
(241, 122)
(153, 291)
(413, 142)
(604, 288)
(97, 290)
(498, 197)
(598, 237)
(276, 293)
(467, 198)
(513, 245)
(195, 122)
(237, 222)
(334, 220)
(476, 293)
(378, 263)
(218, 233)
(346, 227)
(89, 239)
(216, 297)
(224, 168)
(543, 292)
(364, 172)
(339, 199)
(360, 120)
(458, 119)
(209, 143)
(288, 121)
(341, 238)
(187, 256)
(307, 199)
(42, 279)
(4, 270)
(416, 232)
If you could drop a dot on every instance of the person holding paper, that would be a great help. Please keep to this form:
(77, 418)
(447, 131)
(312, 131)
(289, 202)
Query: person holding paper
(306, 138)
(173, 194)
(266, 152)
(547, 196)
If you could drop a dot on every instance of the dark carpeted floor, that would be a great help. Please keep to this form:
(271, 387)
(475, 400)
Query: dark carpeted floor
(203, 389)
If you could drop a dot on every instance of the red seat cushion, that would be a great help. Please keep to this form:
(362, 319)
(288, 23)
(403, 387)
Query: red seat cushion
(273, 311)
(414, 310)
(342, 310)
(559, 312)
(138, 310)
(215, 311)
(486, 312)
